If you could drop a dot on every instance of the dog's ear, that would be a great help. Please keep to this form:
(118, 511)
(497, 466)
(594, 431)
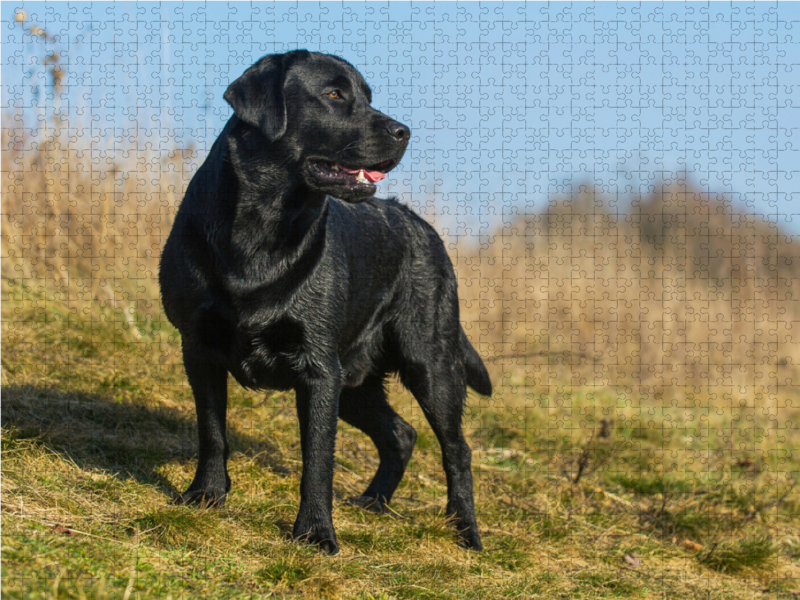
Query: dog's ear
(257, 96)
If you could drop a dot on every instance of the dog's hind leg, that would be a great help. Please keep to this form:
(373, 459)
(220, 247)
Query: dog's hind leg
(439, 387)
(366, 408)
(209, 385)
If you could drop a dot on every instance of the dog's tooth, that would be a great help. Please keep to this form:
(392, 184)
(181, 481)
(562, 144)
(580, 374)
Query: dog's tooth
(361, 176)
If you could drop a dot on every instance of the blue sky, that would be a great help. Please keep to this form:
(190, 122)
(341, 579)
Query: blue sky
(508, 103)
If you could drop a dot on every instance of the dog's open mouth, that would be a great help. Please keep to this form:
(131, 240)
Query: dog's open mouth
(336, 173)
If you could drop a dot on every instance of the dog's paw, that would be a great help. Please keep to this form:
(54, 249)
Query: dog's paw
(368, 503)
(322, 536)
(470, 539)
(204, 498)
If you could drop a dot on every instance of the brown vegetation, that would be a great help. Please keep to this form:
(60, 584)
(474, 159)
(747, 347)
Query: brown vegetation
(684, 294)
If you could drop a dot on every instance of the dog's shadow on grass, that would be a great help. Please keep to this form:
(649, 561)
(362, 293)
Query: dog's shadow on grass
(126, 439)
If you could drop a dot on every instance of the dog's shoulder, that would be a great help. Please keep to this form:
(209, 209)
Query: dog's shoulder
(389, 223)
(410, 216)
(373, 208)
(395, 207)
(405, 222)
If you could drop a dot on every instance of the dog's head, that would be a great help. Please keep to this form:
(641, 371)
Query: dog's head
(316, 109)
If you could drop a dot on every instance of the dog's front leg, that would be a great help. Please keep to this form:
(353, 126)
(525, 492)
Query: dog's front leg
(317, 401)
(209, 382)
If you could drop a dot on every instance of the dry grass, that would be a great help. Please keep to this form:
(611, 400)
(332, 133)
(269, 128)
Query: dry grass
(683, 294)
(644, 365)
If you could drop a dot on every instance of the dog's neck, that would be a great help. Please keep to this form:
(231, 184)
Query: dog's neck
(271, 214)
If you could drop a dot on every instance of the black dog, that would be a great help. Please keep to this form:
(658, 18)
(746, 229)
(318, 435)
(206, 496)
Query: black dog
(283, 270)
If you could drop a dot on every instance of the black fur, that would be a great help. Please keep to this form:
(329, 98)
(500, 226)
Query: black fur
(270, 276)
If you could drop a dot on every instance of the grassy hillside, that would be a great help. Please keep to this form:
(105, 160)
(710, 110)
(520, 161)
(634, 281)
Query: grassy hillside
(642, 442)
(99, 436)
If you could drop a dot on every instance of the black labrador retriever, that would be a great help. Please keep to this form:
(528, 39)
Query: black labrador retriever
(283, 270)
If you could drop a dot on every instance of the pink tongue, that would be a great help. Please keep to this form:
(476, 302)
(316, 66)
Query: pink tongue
(373, 176)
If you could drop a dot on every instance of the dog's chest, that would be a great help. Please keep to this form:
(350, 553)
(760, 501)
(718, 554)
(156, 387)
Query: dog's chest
(271, 354)
(274, 353)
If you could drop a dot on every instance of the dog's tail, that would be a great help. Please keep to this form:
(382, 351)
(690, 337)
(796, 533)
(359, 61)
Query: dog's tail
(477, 375)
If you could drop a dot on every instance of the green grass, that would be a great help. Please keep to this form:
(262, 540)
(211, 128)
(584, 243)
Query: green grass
(98, 435)
(734, 555)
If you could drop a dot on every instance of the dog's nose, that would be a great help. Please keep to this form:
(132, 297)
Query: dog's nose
(399, 132)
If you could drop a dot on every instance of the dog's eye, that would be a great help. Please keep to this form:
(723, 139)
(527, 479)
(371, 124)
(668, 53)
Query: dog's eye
(335, 94)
